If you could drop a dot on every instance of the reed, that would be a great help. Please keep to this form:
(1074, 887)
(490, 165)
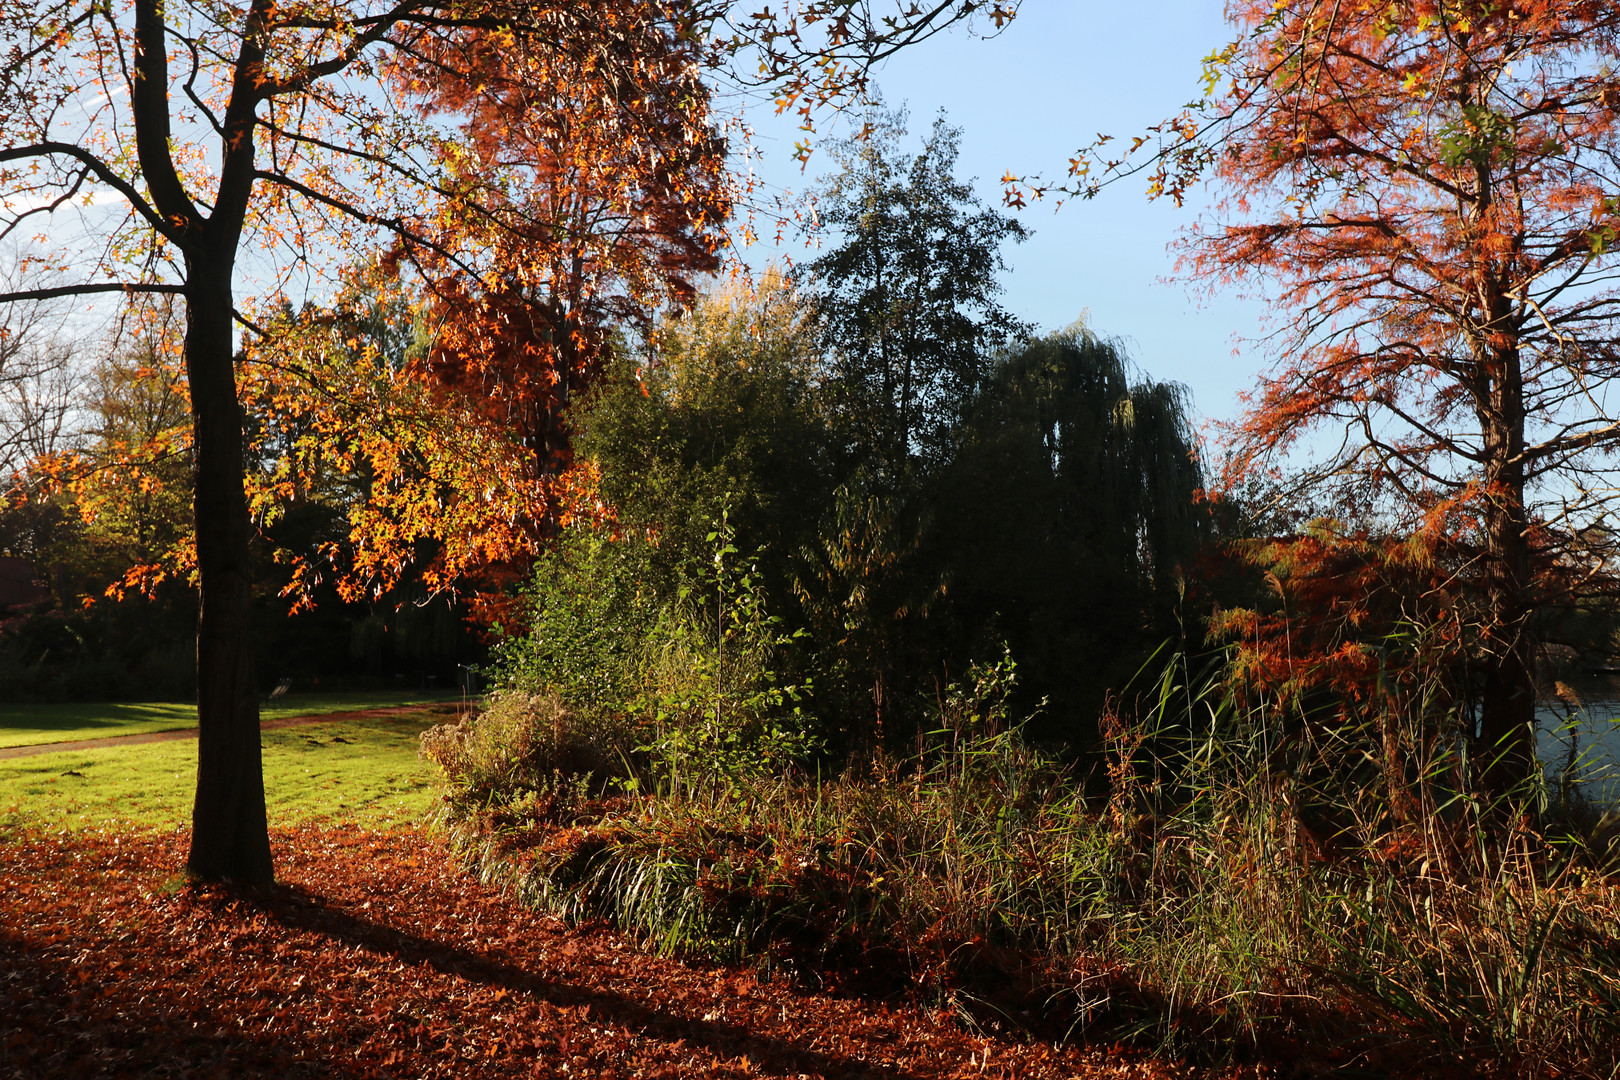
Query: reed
(1239, 892)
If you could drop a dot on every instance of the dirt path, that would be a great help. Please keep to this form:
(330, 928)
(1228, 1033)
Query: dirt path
(377, 957)
(191, 732)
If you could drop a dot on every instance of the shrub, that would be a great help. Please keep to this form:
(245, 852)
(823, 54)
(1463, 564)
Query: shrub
(698, 675)
(710, 688)
(588, 615)
(1207, 906)
(522, 743)
(969, 869)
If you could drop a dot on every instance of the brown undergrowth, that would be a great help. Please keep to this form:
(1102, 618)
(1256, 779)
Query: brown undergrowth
(376, 958)
(1213, 922)
(1197, 951)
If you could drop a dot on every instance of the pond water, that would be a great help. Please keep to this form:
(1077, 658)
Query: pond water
(1585, 742)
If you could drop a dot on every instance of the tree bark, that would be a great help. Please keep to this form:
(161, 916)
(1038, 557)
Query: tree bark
(230, 839)
(1506, 743)
(1505, 748)
(1506, 738)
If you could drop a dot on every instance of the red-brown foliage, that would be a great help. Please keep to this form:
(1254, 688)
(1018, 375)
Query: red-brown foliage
(1425, 188)
(591, 190)
(1338, 604)
(376, 959)
(595, 191)
(1368, 643)
(1428, 195)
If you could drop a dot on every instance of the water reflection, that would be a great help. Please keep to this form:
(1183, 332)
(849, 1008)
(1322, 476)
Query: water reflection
(1582, 743)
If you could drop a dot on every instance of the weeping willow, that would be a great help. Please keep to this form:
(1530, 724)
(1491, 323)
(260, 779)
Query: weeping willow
(1120, 458)
(1067, 517)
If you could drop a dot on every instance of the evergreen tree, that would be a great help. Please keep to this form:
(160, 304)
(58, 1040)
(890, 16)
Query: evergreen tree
(908, 296)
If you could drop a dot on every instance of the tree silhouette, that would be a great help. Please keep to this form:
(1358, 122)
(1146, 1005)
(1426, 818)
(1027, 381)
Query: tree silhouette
(908, 295)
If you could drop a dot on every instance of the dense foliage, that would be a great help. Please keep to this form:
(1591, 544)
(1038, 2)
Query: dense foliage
(915, 489)
(1426, 194)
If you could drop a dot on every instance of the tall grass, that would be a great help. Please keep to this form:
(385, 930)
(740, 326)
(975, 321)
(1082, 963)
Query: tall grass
(1245, 886)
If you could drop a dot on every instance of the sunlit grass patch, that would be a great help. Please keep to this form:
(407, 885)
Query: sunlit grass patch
(363, 770)
(31, 725)
(37, 724)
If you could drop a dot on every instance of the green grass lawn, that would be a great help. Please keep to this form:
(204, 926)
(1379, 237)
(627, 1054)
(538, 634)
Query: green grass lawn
(362, 770)
(32, 725)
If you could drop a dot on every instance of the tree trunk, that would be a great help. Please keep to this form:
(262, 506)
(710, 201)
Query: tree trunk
(1506, 742)
(230, 838)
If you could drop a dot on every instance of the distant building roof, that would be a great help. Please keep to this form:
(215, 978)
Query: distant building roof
(17, 585)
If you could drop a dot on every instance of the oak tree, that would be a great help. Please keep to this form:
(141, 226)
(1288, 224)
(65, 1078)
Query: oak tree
(593, 207)
(419, 484)
(207, 125)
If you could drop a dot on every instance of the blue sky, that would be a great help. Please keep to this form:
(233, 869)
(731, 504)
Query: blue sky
(1063, 71)
(1025, 101)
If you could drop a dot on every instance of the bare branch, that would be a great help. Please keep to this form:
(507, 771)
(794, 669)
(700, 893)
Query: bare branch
(127, 288)
(103, 172)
